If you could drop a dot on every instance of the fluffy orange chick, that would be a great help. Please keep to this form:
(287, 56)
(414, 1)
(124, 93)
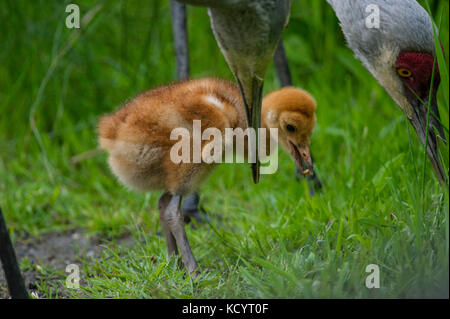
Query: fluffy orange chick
(137, 138)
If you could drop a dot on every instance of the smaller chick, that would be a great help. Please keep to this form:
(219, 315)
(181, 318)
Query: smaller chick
(137, 138)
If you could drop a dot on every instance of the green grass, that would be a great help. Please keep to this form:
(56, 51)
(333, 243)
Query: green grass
(274, 240)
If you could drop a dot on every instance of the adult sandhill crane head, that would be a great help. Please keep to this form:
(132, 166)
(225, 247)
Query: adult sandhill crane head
(400, 54)
(248, 32)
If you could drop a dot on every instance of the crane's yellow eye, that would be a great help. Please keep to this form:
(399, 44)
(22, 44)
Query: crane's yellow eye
(404, 73)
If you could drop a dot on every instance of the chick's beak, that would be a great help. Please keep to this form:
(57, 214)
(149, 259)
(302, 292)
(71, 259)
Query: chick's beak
(435, 131)
(303, 159)
(252, 91)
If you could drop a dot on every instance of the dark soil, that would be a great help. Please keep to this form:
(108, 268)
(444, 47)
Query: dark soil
(48, 256)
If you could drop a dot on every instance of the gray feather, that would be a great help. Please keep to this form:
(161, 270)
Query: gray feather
(248, 36)
(404, 26)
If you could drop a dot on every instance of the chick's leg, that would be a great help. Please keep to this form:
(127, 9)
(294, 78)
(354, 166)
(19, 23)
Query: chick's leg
(175, 222)
(163, 202)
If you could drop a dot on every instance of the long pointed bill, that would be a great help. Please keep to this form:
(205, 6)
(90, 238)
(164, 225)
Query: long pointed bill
(252, 91)
(419, 122)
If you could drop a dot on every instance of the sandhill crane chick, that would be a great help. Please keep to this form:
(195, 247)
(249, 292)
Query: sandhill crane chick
(137, 138)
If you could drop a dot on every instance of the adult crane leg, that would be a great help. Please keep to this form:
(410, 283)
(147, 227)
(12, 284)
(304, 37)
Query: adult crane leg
(180, 37)
(190, 207)
(284, 75)
(14, 279)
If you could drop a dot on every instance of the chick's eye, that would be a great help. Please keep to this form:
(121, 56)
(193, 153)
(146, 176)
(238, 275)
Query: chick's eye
(404, 73)
(290, 128)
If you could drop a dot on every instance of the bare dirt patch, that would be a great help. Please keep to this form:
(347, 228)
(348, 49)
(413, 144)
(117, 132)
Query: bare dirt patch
(47, 257)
